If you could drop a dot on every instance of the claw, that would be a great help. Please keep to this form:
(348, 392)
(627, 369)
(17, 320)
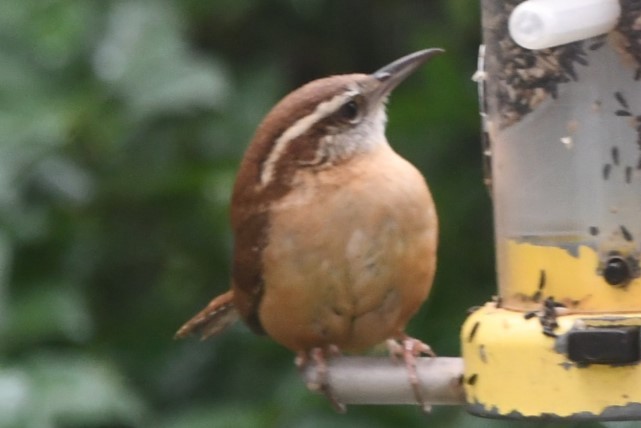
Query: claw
(409, 349)
(318, 356)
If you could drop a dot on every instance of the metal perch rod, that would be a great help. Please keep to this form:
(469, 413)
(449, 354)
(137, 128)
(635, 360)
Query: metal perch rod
(380, 380)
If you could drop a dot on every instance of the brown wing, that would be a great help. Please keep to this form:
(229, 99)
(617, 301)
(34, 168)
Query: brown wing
(247, 283)
(219, 314)
(251, 199)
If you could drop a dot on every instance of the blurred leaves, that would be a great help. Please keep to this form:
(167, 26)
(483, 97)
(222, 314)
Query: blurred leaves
(216, 417)
(52, 390)
(49, 311)
(82, 82)
(145, 59)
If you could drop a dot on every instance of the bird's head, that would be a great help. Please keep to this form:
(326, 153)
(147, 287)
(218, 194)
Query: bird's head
(325, 123)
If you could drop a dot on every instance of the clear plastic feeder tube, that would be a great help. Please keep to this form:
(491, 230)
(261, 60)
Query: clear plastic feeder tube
(564, 128)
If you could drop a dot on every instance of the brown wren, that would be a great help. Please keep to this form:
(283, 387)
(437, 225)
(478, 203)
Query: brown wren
(335, 234)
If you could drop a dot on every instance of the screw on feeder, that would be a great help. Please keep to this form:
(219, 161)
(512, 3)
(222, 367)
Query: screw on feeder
(617, 272)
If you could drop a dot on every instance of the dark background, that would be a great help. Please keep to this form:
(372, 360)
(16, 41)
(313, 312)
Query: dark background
(122, 124)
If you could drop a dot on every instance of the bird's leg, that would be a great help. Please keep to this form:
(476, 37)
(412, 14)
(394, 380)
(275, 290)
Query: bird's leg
(318, 356)
(408, 349)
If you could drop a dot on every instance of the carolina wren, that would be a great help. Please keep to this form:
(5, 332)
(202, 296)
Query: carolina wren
(335, 233)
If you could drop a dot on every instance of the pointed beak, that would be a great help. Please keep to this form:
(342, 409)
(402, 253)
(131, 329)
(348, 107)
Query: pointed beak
(390, 76)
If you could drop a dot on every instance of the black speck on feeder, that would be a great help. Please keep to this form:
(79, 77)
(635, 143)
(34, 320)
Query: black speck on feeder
(475, 328)
(542, 279)
(596, 45)
(628, 174)
(621, 99)
(615, 155)
(472, 379)
(626, 233)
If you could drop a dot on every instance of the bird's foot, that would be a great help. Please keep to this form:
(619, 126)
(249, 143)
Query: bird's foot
(318, 357)
(409, 349)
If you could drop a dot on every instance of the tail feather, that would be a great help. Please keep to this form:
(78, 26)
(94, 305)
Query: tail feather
(219, 314)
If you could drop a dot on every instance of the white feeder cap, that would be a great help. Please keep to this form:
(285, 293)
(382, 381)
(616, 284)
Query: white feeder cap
(540, 24)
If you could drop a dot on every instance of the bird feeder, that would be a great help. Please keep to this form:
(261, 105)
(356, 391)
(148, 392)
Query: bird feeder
(560, 86)
(560, 96)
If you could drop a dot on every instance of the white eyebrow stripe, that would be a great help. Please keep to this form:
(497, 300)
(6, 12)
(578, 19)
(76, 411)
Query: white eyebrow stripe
(301, 126)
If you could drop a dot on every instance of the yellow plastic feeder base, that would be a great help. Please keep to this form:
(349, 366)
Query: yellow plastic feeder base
(569, 271)
(522, 365)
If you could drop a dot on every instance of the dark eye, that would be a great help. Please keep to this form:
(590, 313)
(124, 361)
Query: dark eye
(349, 111)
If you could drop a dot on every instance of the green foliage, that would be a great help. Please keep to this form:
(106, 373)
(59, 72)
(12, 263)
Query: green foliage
(122, 124)
(66, 389)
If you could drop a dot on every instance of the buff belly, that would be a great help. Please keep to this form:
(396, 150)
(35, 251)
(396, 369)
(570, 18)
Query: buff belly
(355, 277)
